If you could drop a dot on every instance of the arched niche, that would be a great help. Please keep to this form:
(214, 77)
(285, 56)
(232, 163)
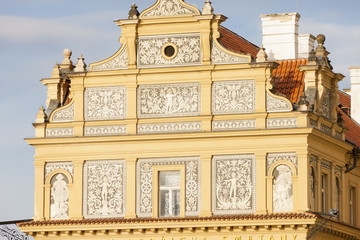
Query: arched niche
(282, 187)
(58, 192)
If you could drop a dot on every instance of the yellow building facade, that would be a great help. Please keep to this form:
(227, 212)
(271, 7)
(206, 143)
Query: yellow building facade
(175, 137)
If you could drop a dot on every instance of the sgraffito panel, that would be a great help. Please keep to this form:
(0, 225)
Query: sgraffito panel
(104, 189)
(233, 184)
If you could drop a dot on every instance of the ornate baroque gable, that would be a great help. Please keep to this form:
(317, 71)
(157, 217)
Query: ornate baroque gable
(169, 8)
(116, 62)
(219, 55)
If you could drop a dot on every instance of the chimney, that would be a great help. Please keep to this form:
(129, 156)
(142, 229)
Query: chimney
(306, 44)
(355, 93)
(280, 35)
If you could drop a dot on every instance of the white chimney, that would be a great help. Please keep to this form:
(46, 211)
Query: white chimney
(306, 44)
(355, 93)
(280, 35)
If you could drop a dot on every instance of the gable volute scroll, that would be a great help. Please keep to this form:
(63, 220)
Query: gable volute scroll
(169, 8)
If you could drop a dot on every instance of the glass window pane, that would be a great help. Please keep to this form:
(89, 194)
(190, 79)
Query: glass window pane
(170, 179)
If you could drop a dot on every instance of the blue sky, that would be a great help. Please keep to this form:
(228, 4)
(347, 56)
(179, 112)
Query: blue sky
(34, 33)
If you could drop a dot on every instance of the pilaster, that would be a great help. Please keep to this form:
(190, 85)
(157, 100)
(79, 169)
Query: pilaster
(39, 191)
(76, 209)
(130, 211)
(261, 183)
(206, 176)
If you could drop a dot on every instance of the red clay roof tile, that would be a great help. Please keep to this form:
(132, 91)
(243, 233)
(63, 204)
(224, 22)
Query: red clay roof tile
(236, 43)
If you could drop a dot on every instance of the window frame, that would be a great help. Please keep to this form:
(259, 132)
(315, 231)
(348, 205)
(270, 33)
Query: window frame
(156, 188)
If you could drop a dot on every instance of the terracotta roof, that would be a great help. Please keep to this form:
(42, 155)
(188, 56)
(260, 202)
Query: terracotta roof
(236, 43)
(288, 80)
(353, 133)
(149, 220)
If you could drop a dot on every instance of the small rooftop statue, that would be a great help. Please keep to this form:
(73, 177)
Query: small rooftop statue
(134, 13)
(208, 9)
(41, 117)
(56, 72)
(321, 52)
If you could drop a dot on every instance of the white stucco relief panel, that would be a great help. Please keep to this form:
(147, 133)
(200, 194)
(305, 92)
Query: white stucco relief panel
(275, 157)
(67, 166)
(104, 189)
(188, 50)
(65, 114)
(233, 184)
(105, 103)
(144, 178)
(326, 104)
(277, 104)
(220, 56)
(169, 8)
(168, 100)
(232, 97)
(119, 61)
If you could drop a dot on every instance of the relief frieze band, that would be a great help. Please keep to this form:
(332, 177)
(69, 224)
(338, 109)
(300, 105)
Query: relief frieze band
(186, 52)
(105, 130)
(59, 132)
(233, 125)
(232, 97)
(104, 189)
(233, 184)
(169, 100)
(272, 123)
(179, 127)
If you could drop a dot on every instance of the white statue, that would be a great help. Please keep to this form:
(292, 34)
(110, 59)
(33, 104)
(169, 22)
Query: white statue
(233, 187)
(282, 190)
(169, 101)
(60, 197)
(104, 194)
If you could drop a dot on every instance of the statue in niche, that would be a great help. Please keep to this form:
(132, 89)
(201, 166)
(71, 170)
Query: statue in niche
(312, 189)
(282, 189)
(59, 198)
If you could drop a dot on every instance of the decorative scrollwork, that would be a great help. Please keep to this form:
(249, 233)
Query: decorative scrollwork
(104, 189)
(145, 179)
(277, 104)
(118, 62)
(150, 50)
(218, 56)
(170, 8)
(65, 115)
(12, 234)
(167, 100)
(326, 104)
(274, 157)
(231, 97)
(233, 184)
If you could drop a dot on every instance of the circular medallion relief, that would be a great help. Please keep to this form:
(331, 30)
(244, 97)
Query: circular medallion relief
(169, 51)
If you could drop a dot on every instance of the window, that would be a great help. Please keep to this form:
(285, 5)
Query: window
(352, 205)
(169, 194)
(323, 193)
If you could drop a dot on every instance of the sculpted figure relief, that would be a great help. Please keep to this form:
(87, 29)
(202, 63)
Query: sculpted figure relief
(282, 189)
(59, 198)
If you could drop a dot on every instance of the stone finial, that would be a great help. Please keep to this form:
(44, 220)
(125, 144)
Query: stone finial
(321, 52)
(303, 104)
(208, 9)
(56, 72)
(312, 59)
(134, 13)
(41, 117)
(67, 55)
(261, 56)
(67, 64)
(80, 66)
